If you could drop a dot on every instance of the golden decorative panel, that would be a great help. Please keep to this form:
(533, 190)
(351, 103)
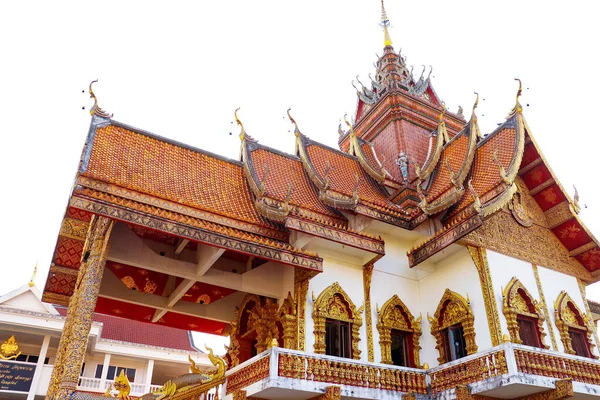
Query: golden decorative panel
(544, 306)
(395, 315)
(367, 275)
(74, 228)
(536, 244)
(9, 349)
(334, 303)
(516, 300)
(479, 256)
(453, 309)
(588, 311)
(568, 315)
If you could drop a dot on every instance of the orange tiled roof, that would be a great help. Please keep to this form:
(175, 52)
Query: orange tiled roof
(456, 153)
(281, 171)
(485, 173)
(173, 172)
(342, 173)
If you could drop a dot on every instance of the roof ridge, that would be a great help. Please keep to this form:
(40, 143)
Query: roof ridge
(326, 147)
(173, 142)
(259, 146)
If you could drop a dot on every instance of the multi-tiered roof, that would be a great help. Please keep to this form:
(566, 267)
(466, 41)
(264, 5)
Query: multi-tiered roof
(406, 160)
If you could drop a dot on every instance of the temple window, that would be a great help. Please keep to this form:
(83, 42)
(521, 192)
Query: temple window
(454, 342)
(524, 316)
(574, 327)
(338, 338)
(399, 334)
(336, 323)
(453, 326)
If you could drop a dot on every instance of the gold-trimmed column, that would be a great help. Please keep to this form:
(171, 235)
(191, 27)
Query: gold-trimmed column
(367, 275)
(301, 279)
(479, 256)
(544, 307)
(588, 312)
(73, 342)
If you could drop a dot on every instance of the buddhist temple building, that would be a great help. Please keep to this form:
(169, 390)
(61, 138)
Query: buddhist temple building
(30, 330)
(421, 259)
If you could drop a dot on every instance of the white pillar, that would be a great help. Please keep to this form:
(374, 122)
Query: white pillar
(104, 371)
(149, 371)
(39, 367)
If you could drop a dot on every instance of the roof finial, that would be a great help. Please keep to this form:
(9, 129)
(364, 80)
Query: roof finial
(518, 107)
(473, 116)
(32, 281)
(96, 110)
(385, 22)
(349, 125)
(237, 120)
(296, 130)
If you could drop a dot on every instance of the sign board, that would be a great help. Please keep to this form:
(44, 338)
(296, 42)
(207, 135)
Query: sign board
(16, 376)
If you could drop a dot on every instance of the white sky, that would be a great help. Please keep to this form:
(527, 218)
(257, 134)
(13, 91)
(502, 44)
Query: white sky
(179, 70)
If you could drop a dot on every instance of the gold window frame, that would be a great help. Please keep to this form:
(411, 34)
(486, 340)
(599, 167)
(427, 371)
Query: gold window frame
(516, 300)
(395, 315)
(453, 309)
(568, 315)
(334, 303)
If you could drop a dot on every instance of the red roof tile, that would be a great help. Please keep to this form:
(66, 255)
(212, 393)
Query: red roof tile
(130, 331)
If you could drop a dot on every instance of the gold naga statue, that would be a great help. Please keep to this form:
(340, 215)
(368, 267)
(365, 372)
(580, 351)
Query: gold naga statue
(190, 386)
(122, 385)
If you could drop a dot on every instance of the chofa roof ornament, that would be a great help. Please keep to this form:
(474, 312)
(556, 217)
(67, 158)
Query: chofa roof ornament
(96, 110)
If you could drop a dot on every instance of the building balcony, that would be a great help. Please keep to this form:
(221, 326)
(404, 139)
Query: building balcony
(507, 371)
(95, 385)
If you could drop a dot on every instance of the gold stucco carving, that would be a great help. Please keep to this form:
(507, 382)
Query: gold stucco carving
(367, 275)
(544, 306)
(453, 309)
(395, 315)
(516, 300)
(287, 316)
(568, 315)
(588, 312)
(9, 349)
(479, 256)
(334, 303)
(536, 244)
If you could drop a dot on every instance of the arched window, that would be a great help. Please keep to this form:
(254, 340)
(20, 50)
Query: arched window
(573, 326)
(524, 317)
(399, 334)
(337, 322)
(453, 327)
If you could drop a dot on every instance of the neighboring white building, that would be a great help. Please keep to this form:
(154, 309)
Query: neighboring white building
(149, 354)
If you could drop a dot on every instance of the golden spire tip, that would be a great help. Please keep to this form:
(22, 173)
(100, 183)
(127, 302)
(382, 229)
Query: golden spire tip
(32, 281)
(237, 120)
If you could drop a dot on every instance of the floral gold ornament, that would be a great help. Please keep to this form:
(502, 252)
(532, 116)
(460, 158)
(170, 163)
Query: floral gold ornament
(544, 306)
(516, 301)
(519, 211)
(9, 349)
(335, 304)
(453, 309)
(568, 315)
(395, 315)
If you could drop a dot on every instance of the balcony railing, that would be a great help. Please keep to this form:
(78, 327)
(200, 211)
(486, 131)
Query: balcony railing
(489, 373)
(95, 385)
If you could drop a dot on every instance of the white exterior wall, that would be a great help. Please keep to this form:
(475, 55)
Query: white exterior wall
(350, 278)
(502, 269)
(553, 283)
(459, 274)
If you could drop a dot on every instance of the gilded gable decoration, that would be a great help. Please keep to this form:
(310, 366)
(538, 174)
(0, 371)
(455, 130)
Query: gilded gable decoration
(289, 323)
(334, 303)
(568, 315)
(453, 309)
(516, 301)
(395, 315)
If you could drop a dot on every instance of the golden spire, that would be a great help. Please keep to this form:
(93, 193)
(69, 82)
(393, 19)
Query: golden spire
(518, 107)
(385, 22)
(352, 134)
(32, 281)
